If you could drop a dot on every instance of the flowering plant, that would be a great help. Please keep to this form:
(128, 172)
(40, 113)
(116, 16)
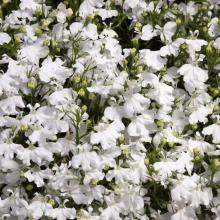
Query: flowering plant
(109, 109)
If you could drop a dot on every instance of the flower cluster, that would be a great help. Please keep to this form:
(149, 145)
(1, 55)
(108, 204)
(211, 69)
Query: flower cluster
(109, 109)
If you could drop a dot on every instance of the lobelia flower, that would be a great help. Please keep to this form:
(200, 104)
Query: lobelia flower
(54, 70)
(37, 208)
(107, 134)
(39, 155)
(200, 114)
(193, 76)
(147, 32)
(167, 32)
(152, 59)
(85, 159)
(38, 176)
(4, 38)
(213, 130)
(9, 105)
(33, 52)
(61, 213)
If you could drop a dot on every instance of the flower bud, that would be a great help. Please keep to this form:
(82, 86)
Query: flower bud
(135, 42)
(205, 29)
(44, 23)
(21, 173)
(178, 21)
(29, 187)
(194, 127)
(24, 127)
(163, 71)
(215, 108)
(105, 168)
(17, 39)
(140, 69)
(215, 165)
(52, 202)
(46, 43)
(125, 152)
(81, 92)
(92, 96)
(160, 123)
(39, 11)
(112, 3)
(32, 83)
(38, 31)
(146, 161)
(183, 46)
(171, 144)
(198, 158)
(89, 123)
(76, 78)
(121, 140)
(214, 92)
(204, 8)
(209, 48)
(177, 100)
(69, 13)
(133, 52)
(84, 83)
(22, 29)
(94, 181)
(84, 108)
(5, 2)
(138, 25)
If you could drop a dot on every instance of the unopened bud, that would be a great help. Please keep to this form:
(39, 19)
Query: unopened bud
(24, 127)
(178, 21)
(125, 152)
(81, 92)
(138, 25)
(32, 83)
(94, 181)
(38, 11)
(69, 13)
(160, 123)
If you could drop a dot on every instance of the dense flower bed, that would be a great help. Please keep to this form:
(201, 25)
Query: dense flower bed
(109, 109)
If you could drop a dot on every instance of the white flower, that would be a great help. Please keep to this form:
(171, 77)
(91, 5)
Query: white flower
(214, 27)
(167, 32)
(142, 125)
(107, 134)
(41, 135)
(10, 104)
(38, 176)
(200, 114)
(62, 13)
(37, 154)
(8, 149)
(93, 174)
(152, 59)
(4, 38)
(89, 6)
(61, 213)
(213, 130)
(193, 76)
(85, 160)
(216, 43)
(147, 32)
(104, 14)
(54, 70)
(8, 164)
(33, 52)
(37, 208)
(202, 146)
(135, 103)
